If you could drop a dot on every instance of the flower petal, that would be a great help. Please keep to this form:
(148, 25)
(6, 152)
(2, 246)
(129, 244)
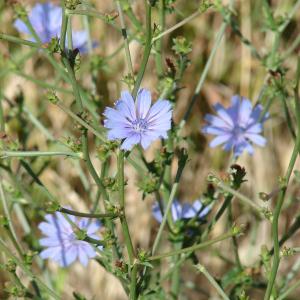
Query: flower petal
(118, 133)
(160, 110)
(223, 114)
(156, 211)
(143, 103)
(245, 112)
(256, 139)
(128, 100)
(219, 140)
(131, 141)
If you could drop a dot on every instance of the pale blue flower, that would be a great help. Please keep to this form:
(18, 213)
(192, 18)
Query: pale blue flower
(138, 123)
(61, 243)
(182, 211)
(237, 127)
(46, 20)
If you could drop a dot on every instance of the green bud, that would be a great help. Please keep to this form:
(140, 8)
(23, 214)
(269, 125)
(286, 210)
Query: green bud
(205, 5)
(243, 296)
(285, 251)
(109, 18)
(143, 255)
(148, 184)
(106, 149)
(11, 266)
(268, 214)
(181, 46)
(237, 229)
(264, 196)
(52, 207)
(28, 258)
(53, 46)
(80, 234)
(265, 256)
(20, 11)
(51, 96)
(282, 182)
(4, 222)
(74, 144)
(16, 291)
(212, 178)
(110, 183)
(72, 4)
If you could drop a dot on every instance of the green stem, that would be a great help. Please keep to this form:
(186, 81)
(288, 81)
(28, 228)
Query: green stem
(132, 17)
(69, 34)
(213, 282)
(123, 219)
(159, 43)
(178, 25)
(194, 247)
(287, 114)
(10, 228)
(240, 196)
(133, 282)
(181, 165)
(87, 215)
(94, 14)
(125, 229)
(216, 217)
(276, 258)
(234, 239)
(175, 281)
(63, 33)
(73, 83)
(125, 37)
(101, 187)
(147, 51)
(6, 154)
(19, 41)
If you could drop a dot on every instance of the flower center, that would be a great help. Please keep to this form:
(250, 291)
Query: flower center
(140, 125)
(237, 131)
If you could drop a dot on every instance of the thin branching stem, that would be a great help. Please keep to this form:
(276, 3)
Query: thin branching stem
(281, 197)
(147, 51)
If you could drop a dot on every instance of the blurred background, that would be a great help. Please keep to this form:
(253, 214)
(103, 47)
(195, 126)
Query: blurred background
(25, 75)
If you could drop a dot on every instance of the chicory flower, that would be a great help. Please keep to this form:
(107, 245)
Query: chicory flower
(46, 19)
(138, 123)
(61, 242)
(237, 127)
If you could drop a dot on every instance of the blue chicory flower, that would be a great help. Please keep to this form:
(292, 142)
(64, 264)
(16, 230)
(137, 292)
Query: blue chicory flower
(237, 126)
(46, 20)
(138, 123)
(60, 239)
(182, 211)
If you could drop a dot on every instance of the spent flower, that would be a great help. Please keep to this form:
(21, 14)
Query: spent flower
(61, 242)
(138, 123)
(237, 127)
(46, 20)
